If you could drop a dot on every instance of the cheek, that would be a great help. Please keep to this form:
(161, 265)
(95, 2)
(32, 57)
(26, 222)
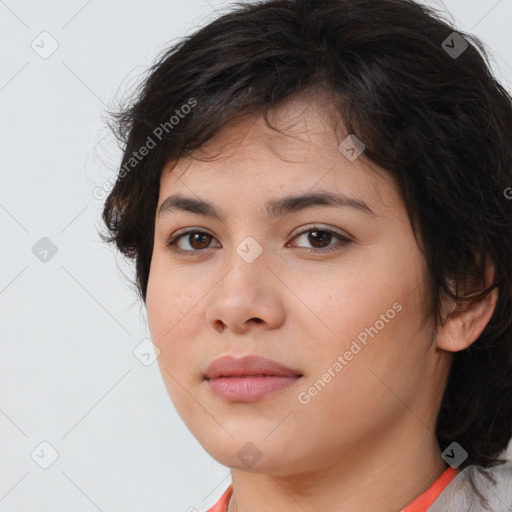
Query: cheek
(159, 304)
(369, 315)
(166, 314)
(347, 302)
(164, 306)
(368, 387)
(167, 299)
(173, 302)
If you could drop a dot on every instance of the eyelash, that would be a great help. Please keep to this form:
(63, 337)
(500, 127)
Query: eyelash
(172, 241)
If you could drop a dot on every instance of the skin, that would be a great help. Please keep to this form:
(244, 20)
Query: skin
(366, 441)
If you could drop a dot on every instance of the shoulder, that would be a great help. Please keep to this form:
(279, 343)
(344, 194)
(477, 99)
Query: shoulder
(460, 495)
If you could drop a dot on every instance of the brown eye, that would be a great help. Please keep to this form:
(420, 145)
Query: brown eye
(199, 240)
(196, 240)
(322, 238)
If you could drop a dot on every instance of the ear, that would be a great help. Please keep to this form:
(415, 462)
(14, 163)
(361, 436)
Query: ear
(464, 325)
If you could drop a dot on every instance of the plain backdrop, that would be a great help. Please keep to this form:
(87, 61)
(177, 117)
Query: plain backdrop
(77, 393)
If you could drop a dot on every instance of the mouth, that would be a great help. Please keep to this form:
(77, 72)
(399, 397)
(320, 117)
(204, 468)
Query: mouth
(250, 378)
(250, 388)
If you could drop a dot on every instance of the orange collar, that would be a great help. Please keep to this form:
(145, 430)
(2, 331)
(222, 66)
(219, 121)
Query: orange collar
(420, 504)
(222, 504)
(425, 500)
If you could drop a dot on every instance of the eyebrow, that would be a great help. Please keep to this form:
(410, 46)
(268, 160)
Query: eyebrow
(274, 207)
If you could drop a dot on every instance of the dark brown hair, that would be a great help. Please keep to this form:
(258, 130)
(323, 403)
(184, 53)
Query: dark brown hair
(428, 110)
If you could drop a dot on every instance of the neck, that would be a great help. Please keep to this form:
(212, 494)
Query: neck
(382, 478)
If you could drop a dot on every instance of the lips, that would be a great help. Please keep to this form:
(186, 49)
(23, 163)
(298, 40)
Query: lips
(250, 378)
(248, 366)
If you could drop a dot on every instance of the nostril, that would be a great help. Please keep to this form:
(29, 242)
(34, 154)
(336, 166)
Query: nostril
(217, 326)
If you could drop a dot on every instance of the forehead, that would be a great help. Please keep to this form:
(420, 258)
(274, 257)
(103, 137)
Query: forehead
(298, 127)
(299, 153)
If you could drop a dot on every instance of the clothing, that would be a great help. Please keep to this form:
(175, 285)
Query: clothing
(222, 504)
(420, 504)
(423, 501)
(451, 492)
(459, 495)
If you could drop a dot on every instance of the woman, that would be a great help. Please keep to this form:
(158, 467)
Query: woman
(315, 197)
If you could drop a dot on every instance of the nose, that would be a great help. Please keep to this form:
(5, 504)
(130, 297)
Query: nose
(248, 296)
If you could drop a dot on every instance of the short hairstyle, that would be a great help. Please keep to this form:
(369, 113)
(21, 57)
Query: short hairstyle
(422, 99)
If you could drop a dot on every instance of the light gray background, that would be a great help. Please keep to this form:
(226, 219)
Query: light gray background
(69, 326)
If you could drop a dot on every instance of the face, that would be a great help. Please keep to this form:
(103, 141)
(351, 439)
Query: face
(334, 292)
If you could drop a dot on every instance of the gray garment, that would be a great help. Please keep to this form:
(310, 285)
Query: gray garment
(458, 495)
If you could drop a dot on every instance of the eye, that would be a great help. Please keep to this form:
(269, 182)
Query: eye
(321, 237)
(198, 240)
(317, 236)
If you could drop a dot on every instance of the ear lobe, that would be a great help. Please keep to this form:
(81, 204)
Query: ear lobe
(464, 325)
